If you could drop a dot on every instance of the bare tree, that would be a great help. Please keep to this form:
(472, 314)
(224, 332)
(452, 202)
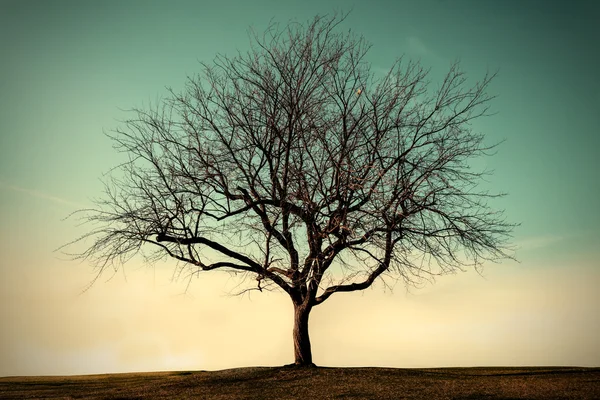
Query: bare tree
(295, 164)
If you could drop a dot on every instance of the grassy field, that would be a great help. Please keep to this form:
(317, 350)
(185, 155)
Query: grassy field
(318, 383)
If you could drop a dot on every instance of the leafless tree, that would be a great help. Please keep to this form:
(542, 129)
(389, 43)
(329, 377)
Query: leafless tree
(295, 164)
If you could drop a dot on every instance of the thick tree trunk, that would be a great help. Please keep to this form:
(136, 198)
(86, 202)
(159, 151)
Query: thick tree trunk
(302, 351)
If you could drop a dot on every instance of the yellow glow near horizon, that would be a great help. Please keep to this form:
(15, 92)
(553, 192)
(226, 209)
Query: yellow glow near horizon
(515, 316)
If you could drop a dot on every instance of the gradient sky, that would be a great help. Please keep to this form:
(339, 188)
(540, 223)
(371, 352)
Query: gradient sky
(69, 68)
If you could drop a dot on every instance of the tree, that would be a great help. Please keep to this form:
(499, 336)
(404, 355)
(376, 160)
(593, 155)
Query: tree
(294, 164)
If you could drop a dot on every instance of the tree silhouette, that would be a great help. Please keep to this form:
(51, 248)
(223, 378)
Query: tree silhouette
(296, 165)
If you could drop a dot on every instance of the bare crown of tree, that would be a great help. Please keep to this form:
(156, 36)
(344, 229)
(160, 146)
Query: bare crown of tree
(296, 164)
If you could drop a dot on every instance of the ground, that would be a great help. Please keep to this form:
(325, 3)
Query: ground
(318, 383)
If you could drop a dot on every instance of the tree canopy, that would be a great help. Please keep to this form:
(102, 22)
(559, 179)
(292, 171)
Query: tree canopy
(296, 164)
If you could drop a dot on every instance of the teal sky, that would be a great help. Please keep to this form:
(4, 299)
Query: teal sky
(69, 68)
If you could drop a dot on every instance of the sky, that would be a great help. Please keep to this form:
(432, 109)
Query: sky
(70, 69)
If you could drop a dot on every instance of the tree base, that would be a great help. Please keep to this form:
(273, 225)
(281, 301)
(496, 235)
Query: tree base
(294, 365)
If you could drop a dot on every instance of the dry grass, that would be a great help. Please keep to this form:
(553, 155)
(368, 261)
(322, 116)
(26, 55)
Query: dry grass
(318, 383)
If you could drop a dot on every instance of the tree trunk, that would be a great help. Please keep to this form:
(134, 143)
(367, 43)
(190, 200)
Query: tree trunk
(302, 351)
